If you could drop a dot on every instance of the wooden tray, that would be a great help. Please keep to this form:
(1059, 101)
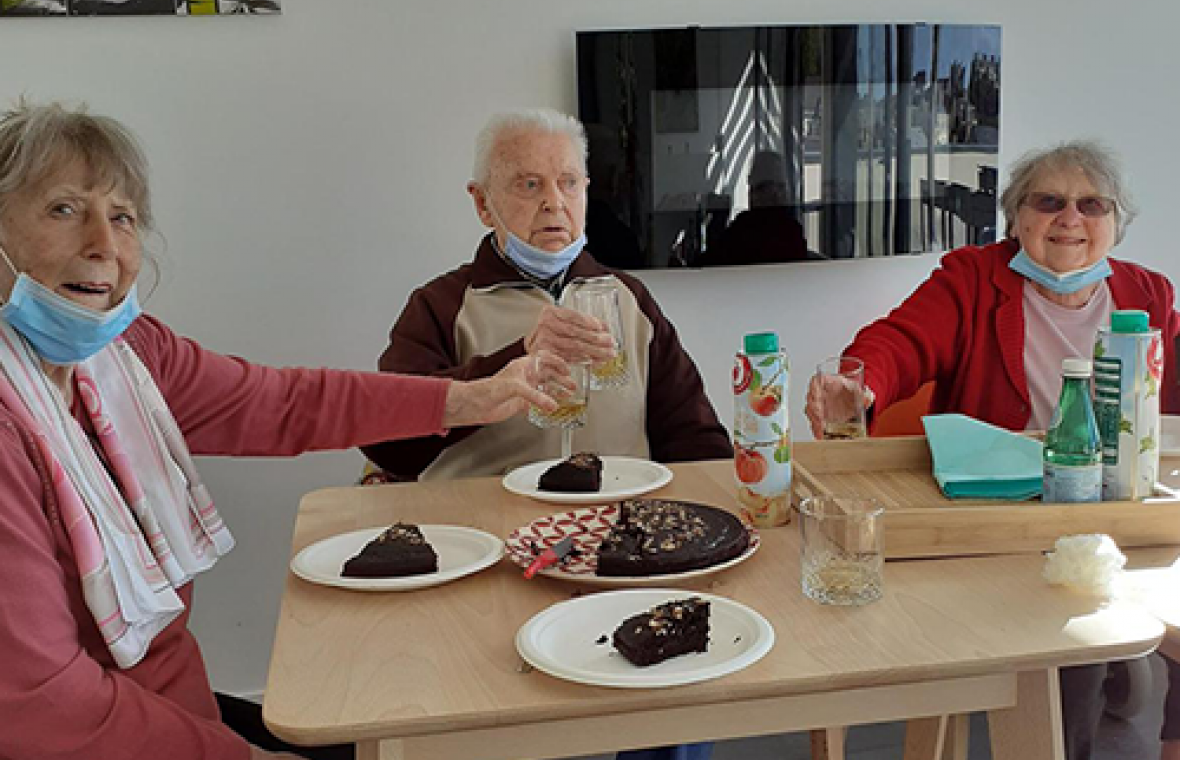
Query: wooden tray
(921, 522)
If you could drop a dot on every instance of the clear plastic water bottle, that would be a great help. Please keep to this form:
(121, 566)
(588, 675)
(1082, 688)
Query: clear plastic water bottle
(1073, 448)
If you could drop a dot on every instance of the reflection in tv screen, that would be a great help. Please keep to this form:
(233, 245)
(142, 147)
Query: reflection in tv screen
(752, 145)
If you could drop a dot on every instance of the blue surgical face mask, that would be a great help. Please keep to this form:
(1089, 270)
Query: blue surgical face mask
(61, 331)
(1063, 283)
(542, 264)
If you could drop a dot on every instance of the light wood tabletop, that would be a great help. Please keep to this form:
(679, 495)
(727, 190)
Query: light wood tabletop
(434, 673)
(1152, 579)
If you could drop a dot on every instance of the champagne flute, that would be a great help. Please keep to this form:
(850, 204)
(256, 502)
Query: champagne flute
(571, 410)
(601, 301)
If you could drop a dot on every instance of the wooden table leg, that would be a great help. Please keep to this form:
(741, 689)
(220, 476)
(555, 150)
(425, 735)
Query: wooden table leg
(1170, 646)
(828, 743)
(958, 736)
(943, 737)
(380, 750)
(925, 738)
(1031, 730)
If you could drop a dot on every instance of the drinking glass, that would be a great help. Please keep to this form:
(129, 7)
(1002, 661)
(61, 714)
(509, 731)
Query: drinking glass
(843, 381)
(841, 560)
(601, 301)
(571, 410)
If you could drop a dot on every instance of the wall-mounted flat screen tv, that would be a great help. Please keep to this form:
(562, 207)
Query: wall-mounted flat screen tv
(732, 146)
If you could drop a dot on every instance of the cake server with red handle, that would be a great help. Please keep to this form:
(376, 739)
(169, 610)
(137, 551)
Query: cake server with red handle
(550, 556)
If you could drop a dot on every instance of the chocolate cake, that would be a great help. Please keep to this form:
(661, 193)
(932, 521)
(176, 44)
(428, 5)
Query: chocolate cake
(669, 630)
(660, 536)
(399, 551)
(581, 473)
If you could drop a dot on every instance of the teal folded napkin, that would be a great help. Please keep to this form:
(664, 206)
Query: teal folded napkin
(975, 460)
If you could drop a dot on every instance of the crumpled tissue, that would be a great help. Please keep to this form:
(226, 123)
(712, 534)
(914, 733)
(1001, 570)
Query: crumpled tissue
(1088, 563)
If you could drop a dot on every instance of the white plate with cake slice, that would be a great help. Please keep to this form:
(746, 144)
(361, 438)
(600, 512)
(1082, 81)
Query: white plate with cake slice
(572, 640)
(588, 526)
(461, 551)
(622, 478)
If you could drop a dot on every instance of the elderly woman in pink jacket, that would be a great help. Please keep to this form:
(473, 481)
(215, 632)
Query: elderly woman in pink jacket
(104, 521)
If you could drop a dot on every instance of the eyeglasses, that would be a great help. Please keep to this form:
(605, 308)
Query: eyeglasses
(1087, 205)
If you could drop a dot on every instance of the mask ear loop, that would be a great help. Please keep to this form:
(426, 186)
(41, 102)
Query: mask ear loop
(8, 261)
(15, 274)
(487, 199)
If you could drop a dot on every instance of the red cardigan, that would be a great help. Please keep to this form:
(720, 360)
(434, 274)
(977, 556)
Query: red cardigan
(964, 329)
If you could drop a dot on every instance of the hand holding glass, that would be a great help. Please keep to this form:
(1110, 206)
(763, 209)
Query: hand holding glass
(571, 397)
(842, 397)
(602, 303)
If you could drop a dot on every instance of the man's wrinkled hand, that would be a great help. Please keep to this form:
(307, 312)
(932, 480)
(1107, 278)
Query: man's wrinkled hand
(575, 337)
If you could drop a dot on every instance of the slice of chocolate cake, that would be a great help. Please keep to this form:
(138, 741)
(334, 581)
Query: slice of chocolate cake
(669, 630)
(660, 536)
(399, 551)
(581, 473)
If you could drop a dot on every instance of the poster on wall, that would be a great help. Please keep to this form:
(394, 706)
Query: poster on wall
(135, 7)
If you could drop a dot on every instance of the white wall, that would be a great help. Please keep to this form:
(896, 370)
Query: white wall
(309, 171)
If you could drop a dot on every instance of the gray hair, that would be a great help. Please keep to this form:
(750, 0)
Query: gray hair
(36, 141)
(1096, 160)
(524, 120)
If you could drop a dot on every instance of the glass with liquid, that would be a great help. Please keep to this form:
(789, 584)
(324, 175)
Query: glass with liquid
(842, 562)
(571, 407)
(843, 378)
(601, 301)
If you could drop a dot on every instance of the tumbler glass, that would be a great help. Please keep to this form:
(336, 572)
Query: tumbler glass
(843, 380)
(841, 561)
(601, 301)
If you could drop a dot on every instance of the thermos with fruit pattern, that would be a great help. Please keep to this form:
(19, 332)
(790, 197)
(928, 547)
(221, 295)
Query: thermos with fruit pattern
(761, 433)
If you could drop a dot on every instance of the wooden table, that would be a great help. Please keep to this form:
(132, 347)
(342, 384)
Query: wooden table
(1152, 579)
(435, 674)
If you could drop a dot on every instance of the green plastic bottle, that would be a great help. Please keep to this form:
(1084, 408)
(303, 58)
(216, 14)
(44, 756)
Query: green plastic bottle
(1073, 448)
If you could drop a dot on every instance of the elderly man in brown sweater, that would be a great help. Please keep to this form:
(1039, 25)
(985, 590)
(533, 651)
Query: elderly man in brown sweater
(529, 188)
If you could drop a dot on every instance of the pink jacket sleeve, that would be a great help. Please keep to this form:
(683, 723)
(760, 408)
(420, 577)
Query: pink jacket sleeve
(228, 406)
(56, 702)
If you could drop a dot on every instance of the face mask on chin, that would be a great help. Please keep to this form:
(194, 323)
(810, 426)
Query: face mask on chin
(541, 264)
(1062, 283)
(61, 331)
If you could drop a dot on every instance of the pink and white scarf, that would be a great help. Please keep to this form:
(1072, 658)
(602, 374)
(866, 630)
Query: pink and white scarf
(137, 537)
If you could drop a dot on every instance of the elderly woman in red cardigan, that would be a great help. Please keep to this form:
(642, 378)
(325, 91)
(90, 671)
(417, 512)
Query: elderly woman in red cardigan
(992, 324)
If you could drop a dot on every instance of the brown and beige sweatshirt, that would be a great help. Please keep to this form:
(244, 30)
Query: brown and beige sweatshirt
(470, 322)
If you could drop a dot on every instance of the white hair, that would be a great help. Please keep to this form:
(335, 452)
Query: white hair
(1099, 164)
(523, 120)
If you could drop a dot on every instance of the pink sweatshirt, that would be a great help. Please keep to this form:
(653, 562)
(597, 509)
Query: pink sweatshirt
(61, 696)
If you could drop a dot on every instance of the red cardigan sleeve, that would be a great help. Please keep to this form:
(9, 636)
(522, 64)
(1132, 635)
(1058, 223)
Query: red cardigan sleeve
(56, 701)
(923, 337)
(228, 406)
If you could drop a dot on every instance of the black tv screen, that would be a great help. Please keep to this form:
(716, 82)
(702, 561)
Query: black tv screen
(767, 144)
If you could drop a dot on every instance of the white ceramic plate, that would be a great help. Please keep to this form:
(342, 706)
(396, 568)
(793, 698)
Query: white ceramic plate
(589, 526)
(622, 478)
(1170, 435)
(566, 640)
(461, 551)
